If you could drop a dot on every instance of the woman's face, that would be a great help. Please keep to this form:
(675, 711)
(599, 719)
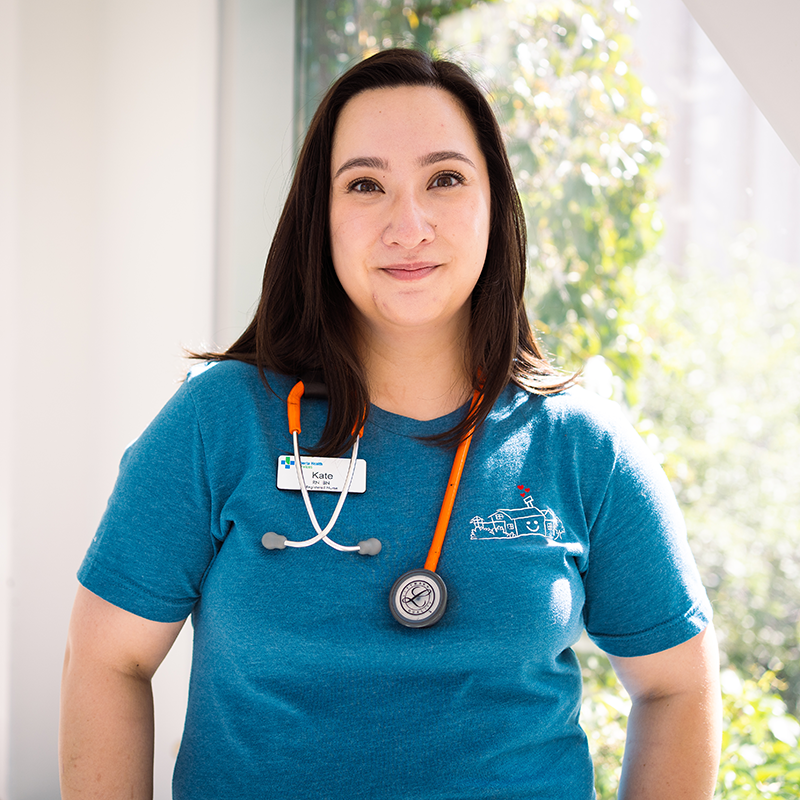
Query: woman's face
(409, 209)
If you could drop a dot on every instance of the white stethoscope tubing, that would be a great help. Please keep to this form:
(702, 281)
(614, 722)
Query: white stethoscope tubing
(407, 591)
(273, 541)
(323, 534)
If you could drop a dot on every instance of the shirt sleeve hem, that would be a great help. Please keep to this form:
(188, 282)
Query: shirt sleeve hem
(120, 591)
(659, 638)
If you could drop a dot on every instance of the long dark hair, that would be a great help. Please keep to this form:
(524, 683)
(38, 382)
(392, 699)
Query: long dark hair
(304, 320)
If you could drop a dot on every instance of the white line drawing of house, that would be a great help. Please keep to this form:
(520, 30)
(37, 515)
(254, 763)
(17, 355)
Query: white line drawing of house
(510, 523)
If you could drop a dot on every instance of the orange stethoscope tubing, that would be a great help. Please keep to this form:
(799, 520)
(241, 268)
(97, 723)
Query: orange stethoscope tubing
(293, 406)
(449, 499)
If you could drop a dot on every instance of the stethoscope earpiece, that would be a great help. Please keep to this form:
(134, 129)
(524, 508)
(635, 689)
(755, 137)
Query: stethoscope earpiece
(369, 547)
(274, 541)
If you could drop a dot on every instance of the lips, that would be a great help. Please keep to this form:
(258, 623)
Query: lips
(410, 272)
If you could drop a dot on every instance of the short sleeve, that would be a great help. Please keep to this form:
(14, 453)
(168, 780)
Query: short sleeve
(156, 541)
(643, 589)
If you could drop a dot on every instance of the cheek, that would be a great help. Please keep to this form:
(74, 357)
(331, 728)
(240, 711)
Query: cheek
(341, 249)
(351, 234)
(485, 220)
(336, 238)
(473, 231)
(471, 221)
(338, 244)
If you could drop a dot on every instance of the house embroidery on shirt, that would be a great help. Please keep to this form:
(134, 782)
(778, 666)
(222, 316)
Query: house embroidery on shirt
(509, 523)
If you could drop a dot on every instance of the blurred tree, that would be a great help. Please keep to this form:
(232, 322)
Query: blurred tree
(720, 405)
(585, 140)
(332, 36)
(604, 718)
(759, 741)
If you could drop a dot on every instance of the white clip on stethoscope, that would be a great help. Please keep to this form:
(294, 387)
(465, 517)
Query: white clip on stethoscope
(418, 598)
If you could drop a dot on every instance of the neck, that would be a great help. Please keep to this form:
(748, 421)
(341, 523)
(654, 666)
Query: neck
(417, 375)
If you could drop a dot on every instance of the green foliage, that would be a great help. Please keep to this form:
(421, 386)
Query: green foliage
(760, 758)
(759, 741)
(336, 35)
(720, 406)
(585, 141)
(604, 718)
(720, 402)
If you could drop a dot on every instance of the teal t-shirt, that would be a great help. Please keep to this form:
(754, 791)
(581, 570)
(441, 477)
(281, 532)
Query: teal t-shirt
(303, 684)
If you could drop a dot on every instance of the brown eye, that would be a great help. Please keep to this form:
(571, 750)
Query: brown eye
(363, 186)
(447, 179)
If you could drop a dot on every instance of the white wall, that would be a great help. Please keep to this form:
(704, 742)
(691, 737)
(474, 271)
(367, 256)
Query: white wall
(759, 43)
(8, 279)
(728, 170)
(109, 148)
(111, 110)
(256, 150)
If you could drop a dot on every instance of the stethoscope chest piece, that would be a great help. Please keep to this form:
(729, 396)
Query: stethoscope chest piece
(418, 598)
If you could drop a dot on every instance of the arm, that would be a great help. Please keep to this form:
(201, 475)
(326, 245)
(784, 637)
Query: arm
(674, 729)
(106, 729)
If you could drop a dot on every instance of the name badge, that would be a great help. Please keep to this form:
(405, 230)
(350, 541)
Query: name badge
(322, 474)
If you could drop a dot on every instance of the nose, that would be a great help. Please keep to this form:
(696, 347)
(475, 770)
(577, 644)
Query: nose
(409, 224)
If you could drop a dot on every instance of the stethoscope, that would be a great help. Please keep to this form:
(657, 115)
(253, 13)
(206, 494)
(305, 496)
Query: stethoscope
(418, 598)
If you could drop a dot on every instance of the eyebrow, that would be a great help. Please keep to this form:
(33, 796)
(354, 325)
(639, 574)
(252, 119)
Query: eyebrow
(444, 155)
(362, 161)
(371, 162)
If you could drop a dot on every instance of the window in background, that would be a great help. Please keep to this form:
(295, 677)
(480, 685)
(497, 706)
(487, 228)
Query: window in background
(664, 249)
(333, 36)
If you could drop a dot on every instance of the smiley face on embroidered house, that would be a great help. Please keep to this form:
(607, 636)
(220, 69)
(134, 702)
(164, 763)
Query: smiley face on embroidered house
(509, 523)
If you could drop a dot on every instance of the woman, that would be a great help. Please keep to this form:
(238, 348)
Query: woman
(397, 274)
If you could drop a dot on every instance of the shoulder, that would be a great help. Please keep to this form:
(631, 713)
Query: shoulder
(574, 412)
(232, 382)
(574, 427)
(220, 405)
(209, 375)
(218, 396)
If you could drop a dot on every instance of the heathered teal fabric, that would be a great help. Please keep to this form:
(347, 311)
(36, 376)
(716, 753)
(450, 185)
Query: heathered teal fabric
(303, 685)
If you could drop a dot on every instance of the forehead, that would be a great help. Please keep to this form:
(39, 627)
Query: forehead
(422, 118)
